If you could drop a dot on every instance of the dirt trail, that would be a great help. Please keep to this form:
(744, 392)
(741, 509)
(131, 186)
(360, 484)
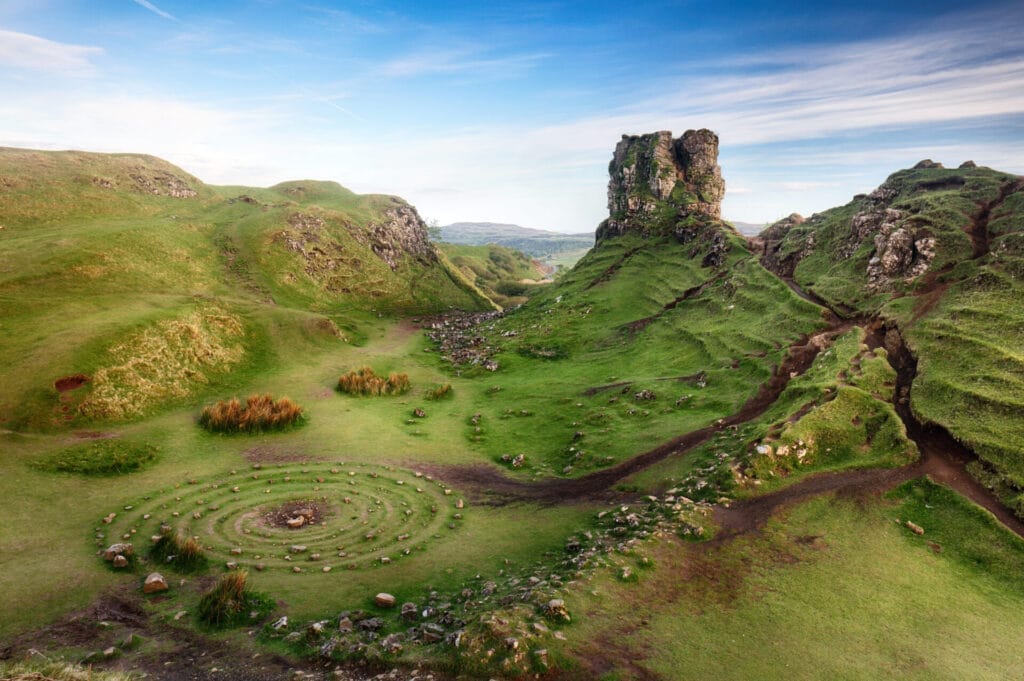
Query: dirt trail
(978, 227)
(942, 457)
(491, 483)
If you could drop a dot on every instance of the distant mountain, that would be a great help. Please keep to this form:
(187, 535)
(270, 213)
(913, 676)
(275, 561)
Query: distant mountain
(554, 248)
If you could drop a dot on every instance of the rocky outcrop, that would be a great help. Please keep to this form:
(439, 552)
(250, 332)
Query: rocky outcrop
(902, 250)
(402, 232)
(659, 185)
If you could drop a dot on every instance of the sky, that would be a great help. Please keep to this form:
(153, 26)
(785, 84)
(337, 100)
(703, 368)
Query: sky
(509, 111)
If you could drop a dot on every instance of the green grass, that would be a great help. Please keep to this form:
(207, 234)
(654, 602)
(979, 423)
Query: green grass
(976, 390)
(101, 457)
(507, 276)
(831, 589)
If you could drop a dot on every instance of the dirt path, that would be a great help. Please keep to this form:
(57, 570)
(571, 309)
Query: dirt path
(490, 484)
(978, 227)
(942, 457)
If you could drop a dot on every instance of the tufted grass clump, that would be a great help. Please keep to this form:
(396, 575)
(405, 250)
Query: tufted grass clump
(441, 391)
(364, 381)
(259, 413)
(230, 602)
(184, 554)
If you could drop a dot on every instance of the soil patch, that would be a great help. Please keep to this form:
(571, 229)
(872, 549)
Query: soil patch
(69, 383)
(93, 435)
(274, 454)
(311, 511)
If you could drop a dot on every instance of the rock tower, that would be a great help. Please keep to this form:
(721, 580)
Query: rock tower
(659, 184)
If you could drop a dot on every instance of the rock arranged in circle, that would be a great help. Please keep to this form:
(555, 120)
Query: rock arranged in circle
(300, 518)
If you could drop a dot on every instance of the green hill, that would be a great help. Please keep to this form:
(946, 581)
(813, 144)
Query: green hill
(506, 275)
(939, 254)
(126, 270)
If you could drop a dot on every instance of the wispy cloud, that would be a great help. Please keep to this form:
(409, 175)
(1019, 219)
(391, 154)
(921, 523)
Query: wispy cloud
(465, 61)
(154, 9)
(24, 51)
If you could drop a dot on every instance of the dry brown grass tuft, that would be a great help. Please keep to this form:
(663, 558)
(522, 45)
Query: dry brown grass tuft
(164, 361)
(439, 392)
(364, 381)
(259, 413)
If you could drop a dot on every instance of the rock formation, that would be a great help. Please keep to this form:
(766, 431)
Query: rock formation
(659, 185)
(401, 233)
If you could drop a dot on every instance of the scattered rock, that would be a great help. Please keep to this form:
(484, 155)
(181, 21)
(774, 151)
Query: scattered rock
(154, 583)
(915, 528)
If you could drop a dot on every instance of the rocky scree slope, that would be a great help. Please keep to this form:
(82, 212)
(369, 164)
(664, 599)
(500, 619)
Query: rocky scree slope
(938, 254)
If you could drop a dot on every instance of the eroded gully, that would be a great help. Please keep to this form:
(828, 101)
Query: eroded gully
(942, 457)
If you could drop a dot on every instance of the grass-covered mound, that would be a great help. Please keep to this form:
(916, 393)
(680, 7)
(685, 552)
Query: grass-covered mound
(506, 275)
(109, 456)
(157, 286)
(639, 343)
(940, 253)
(231, 602)
(259, 413)
(364, 381)
(181, 552)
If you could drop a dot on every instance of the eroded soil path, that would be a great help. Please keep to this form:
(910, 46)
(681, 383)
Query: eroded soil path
(942, 457)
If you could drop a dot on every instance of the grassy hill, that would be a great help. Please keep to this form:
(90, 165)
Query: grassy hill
(128, 271)
(675, 461)
(938, 253)
(506, 275)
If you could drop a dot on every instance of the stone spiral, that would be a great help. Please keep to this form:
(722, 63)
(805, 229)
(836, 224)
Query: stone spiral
(354, 515)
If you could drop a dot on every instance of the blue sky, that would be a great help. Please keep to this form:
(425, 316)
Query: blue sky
(509, 111)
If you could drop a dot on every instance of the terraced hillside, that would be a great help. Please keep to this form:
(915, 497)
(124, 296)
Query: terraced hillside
(694, 455)
(937, 253)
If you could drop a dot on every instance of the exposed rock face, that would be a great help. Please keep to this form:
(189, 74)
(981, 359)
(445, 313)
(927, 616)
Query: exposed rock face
(658, 182)
(904, 246)
(402, 232)
(400, 235)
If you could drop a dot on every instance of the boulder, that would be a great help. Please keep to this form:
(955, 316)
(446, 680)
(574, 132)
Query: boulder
(384, 600)
(114, 550)
(154, 583)
(120, 561)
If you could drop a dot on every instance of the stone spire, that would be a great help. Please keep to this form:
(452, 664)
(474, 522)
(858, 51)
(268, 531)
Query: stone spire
(658, 183)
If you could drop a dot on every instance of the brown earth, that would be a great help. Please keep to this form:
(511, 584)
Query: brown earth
(69, 383)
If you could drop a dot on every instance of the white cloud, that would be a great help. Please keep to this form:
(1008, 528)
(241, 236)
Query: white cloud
(434, 62)
(24, 51)
(154, 9)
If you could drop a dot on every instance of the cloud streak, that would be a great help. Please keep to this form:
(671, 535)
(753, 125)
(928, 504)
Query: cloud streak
(154, 9)
(24, 51)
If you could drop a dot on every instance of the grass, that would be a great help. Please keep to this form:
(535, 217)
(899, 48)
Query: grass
(181, 553)
(260, 413)
(58, 671)
(440, 392)
(364, 381)
(101, 457)
(505, 275)
(230, 602)
(831, 589)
